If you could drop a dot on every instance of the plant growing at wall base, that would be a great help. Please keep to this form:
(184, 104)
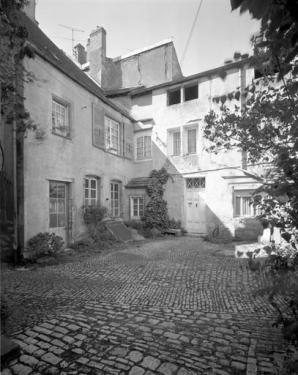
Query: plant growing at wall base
(93, 216)
(156, 212)
(43, 244)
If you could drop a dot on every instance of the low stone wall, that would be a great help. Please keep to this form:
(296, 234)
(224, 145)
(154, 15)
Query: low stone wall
(248, 228)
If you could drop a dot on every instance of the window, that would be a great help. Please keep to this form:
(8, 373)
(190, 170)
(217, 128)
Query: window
(137, 207)
(91, 191)
(115, 199)
(196, 183)
(60, 118)
(112, 130)
(174, 97)
(57, 195)
(191, 92)
(192, 141)
(144, 147)
(243, 205)
(176, 143)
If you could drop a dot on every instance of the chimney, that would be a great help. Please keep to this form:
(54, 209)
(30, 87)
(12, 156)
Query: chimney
(29, 9)
(80, 53)
(96, 53)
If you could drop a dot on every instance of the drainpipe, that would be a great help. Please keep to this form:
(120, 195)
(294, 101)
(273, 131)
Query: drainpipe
(14, 167)
(242, 103)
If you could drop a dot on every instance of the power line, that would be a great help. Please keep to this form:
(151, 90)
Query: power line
(190, 34)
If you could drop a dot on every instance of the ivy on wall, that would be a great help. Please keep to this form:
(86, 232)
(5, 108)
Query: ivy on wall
(156, 212)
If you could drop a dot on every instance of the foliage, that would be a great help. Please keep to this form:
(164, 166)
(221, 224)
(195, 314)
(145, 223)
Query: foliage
(14, 48)
(43, 244)
(280, 273)
(5, 312)
(156, 212)
(93, 215)
(135, 224)
(265, 126)
(174, 224)
(97, 232)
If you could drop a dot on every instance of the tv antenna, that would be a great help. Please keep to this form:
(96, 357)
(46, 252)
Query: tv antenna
(72, 34)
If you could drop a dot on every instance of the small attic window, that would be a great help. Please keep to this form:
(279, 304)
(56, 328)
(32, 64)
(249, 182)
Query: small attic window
(174, 96)
(191, 92)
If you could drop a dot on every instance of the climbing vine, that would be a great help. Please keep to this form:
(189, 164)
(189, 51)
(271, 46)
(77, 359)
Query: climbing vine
(156, 212)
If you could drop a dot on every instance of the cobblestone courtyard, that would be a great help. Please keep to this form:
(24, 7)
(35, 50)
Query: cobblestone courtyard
(169, 307)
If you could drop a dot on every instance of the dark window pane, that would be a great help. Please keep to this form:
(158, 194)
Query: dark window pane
(61, 220)
(53, 206)
(93, 193)
(191, 92)
(86, 182)
(53, 221)
(61, 205)
(53, 190)
(174, 97)
(93, 184)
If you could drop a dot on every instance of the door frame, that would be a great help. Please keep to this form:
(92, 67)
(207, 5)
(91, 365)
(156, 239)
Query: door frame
(68, 214)
(198, 190)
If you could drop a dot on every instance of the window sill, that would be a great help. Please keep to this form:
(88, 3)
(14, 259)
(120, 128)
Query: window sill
(61, 136)
(142, 160)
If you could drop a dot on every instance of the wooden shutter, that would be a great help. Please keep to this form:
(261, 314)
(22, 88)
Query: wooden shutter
(128, 132)
(98, 125)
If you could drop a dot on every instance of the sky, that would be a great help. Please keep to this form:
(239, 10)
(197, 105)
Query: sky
(135, 24)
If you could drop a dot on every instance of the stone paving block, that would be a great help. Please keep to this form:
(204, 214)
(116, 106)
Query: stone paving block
(238, 365)
(51, 358)
(168, 369)
(28, 360)
(136, 371)
(30, 348)
(20, 369)
(150, 363)
(135, 356)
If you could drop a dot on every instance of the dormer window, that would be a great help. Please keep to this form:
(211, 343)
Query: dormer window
(174, 97)
(191, 92)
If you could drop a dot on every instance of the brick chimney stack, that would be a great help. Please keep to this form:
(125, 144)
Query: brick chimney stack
(96, 54)
(80, 53)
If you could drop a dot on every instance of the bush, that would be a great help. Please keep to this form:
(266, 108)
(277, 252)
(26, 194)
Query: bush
(5, 313)
(280, 269)
(44, 244)
(93, 215)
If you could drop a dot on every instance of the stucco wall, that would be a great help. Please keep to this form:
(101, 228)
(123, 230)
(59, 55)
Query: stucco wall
(219, 194)
(57, 158)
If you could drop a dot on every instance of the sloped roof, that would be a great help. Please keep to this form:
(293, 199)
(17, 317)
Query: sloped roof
(46, 49)
(139, 182)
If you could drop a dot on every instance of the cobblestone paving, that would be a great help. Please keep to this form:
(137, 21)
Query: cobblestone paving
(168, 308)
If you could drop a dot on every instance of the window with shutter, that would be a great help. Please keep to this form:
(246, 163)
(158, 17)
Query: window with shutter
(98, 122)
(128, 134)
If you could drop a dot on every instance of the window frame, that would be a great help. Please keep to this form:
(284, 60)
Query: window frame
(170, 96)
(146, 149)
(241, 195)
(91, 178)
(190, 87)
(176, 143)
(112, 198)
(188, 147)
(66, 106)
(138, 198)
(109, 144)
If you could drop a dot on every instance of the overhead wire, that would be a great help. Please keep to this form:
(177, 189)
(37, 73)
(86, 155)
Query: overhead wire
(184, 54)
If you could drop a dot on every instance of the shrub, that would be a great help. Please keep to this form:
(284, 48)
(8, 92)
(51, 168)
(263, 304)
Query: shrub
(43, 244)
(5, 313)
(93, 215)
(280, 269)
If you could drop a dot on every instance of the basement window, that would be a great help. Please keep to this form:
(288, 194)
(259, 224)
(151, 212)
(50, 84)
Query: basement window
(174, 97)
(191, 92)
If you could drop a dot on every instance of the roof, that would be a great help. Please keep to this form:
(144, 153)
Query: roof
(144, 49)
(139, 182)
(46, 49)
(206, 73)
